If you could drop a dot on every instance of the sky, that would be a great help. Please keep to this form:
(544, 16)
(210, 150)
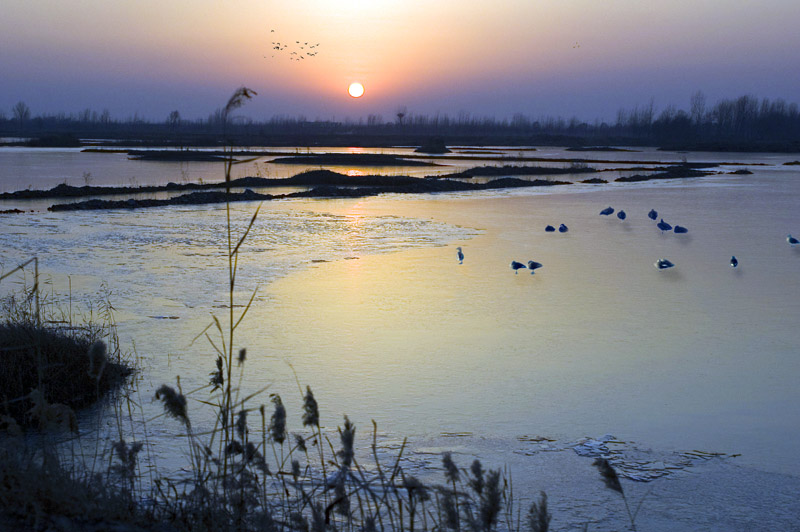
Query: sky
(536, 57)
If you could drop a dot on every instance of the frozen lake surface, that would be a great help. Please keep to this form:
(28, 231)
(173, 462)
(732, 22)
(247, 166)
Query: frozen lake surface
(365, 301)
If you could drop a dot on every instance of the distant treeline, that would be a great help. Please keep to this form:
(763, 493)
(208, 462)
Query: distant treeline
(744, 123)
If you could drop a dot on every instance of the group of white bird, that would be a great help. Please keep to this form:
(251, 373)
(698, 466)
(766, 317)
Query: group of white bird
(661, 264)
(532, 264)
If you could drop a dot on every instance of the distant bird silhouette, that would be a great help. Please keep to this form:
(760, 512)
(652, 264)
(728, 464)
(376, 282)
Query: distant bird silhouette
(516, 266)
(663, 264)
(652, 214)
(460, 256)
(621, 215)
(792, 240)
(549, 229)
(607, 211)
(680, 229)
(533, 266)
(734, 262)
(297, 51)
(562, 228)
(664, 226)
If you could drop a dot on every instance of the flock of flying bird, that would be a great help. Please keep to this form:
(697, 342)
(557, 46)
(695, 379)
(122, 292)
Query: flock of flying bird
(661, 264)
(301, 49)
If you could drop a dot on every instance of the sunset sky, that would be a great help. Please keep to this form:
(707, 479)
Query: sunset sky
(538, 57)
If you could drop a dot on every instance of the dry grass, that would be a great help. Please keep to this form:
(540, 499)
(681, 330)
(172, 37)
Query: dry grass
(53, 360)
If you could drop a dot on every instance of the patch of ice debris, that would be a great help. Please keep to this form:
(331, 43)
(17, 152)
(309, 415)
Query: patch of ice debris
(630, 461)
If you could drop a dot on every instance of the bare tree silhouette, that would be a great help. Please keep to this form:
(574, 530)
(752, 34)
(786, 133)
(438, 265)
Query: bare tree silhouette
(174, 120)
(401, 113)
(22, 113)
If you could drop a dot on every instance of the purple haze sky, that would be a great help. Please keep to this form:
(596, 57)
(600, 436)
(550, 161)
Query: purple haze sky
(556, 57)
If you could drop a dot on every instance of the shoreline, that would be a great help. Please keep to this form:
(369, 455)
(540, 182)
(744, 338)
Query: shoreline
(329, 184)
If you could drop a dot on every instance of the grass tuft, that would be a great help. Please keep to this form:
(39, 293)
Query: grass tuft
(62, 364)
(174, 403)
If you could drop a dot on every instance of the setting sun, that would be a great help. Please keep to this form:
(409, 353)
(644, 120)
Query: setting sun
(356, 90)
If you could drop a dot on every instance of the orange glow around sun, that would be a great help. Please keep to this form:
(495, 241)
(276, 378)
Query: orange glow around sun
(356, 89)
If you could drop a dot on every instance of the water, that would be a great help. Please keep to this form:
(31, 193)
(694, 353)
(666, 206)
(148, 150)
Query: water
(43, 168)
(365, 301)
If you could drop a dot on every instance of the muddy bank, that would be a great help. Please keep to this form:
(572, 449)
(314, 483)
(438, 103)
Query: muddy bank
(310, 178)
(326, 185)
(486, 171)
(675, 172)
(178, 156)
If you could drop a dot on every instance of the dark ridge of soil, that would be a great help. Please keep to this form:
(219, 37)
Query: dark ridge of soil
(314, 178)
(482, 171)
(594, 181)
(675, 172)
(743, 171)
(193, 198)
(309, 178)
(179, 156)
(328, 177)
(433, 146)
(325, 188)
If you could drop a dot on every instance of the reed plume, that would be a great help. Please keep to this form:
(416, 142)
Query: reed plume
(491, 500)
(238, 99)
(277, 424)
(310, 409)
(347, 436)
(217, 380)
(476, 483)
(174, 403)
(538, 515)
(609, 474)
